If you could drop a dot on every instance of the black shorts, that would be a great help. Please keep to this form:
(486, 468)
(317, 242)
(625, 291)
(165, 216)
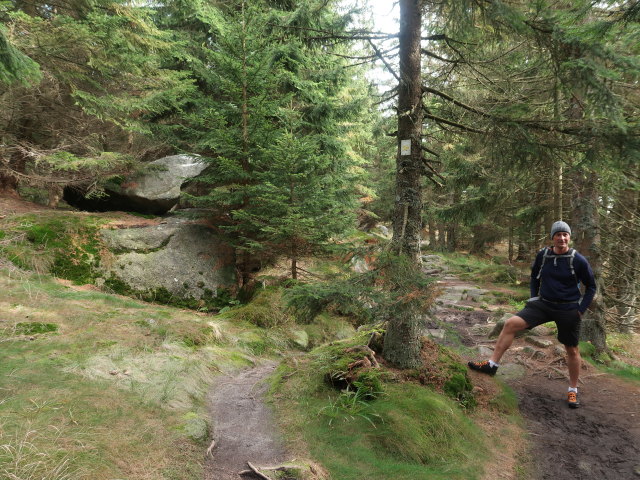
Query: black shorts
(537, 312)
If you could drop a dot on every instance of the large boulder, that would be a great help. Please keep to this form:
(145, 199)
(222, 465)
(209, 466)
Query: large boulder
(158, 190)
(154, 191)
(178, 261)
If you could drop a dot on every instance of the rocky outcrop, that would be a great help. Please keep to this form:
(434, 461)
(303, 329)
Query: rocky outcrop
(178, 258)
(158, 190)
(155, 191)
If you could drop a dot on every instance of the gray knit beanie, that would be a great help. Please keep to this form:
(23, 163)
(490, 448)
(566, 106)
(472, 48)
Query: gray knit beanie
(560, 226)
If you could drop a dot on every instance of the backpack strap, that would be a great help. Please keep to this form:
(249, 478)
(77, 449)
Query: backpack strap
(571, 254)
(544, 258)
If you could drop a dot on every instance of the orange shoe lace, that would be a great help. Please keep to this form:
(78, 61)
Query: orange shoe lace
(573, 397)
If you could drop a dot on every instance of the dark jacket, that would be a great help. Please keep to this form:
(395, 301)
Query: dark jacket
(558, 286)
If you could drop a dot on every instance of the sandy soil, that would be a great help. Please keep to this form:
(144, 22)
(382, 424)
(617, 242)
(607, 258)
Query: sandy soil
(244, 430)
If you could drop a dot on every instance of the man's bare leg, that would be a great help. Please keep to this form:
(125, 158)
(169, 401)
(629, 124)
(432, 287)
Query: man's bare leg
(574, 362)
(512, 326)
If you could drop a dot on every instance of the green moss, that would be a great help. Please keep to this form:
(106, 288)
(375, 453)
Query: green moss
(587, 349)
(266, 310)
(459, 388)
(506, 401)
(64, 245)
(208, 302)
(447, 373)
(32, 328)
(76, 265)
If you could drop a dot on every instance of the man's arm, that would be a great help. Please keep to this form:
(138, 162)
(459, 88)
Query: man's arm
(586, 277)
(534, 283)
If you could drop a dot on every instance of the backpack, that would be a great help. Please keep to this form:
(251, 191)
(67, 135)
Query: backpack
(570, 255)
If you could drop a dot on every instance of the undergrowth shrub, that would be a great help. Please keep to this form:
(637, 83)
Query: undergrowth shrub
(445, 371)
(393, 284)
(266, 310)
(343, 296)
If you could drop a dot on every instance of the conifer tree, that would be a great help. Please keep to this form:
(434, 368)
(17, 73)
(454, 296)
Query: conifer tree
(100, 72)
(272, 99)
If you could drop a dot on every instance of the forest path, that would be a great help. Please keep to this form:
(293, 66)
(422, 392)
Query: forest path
(244, 428)
(598, 441)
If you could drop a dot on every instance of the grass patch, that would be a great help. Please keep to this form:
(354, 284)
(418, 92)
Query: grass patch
(406, 431)
(505, 401)
(605, 363)
(60, 243)
(33, 328)
(410, 432)
(101, 387)
(477, 269)
(624, 370)
(326, 328)
(266, 310)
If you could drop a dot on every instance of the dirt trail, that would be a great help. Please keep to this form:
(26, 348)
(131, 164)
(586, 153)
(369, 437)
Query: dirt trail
(244, 430)
(598, 441)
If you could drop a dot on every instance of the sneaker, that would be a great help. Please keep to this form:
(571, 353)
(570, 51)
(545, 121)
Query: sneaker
(572, 400)
(483, 367)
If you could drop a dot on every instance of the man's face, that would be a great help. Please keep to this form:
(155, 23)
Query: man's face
(561, 241)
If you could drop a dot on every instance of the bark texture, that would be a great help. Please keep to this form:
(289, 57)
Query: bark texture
(407, 217)
(586, 239)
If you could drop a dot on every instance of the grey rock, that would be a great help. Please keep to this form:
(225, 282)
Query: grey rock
(196, 428)
(187, 259)
(511, 371)
(438, 333)
(382, 230)
(158, 190)
(484, 351)
(497, 328)
(539, 355)
(481, 329)
(541, 331)
(495, 332)
(359, 264)
(538, 342)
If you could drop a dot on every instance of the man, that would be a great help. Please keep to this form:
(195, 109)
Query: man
(556, 275)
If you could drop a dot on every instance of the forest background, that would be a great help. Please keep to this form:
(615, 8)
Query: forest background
(528, 113)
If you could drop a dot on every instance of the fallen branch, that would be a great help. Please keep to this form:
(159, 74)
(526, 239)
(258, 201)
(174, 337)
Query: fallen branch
(211, 447)
(279, 468)
(255, 470)
(559, 359)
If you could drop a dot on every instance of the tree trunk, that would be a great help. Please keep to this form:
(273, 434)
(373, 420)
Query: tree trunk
(623, 257)
(407, 216)
(432, 234)
(511, 246)
(402, 342)
(586, 239)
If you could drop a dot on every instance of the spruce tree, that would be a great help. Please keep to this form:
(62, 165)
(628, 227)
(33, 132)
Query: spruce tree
(271, 117)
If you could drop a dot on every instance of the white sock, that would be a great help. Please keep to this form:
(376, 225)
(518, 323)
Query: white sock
(573, 389)
(493, 364)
